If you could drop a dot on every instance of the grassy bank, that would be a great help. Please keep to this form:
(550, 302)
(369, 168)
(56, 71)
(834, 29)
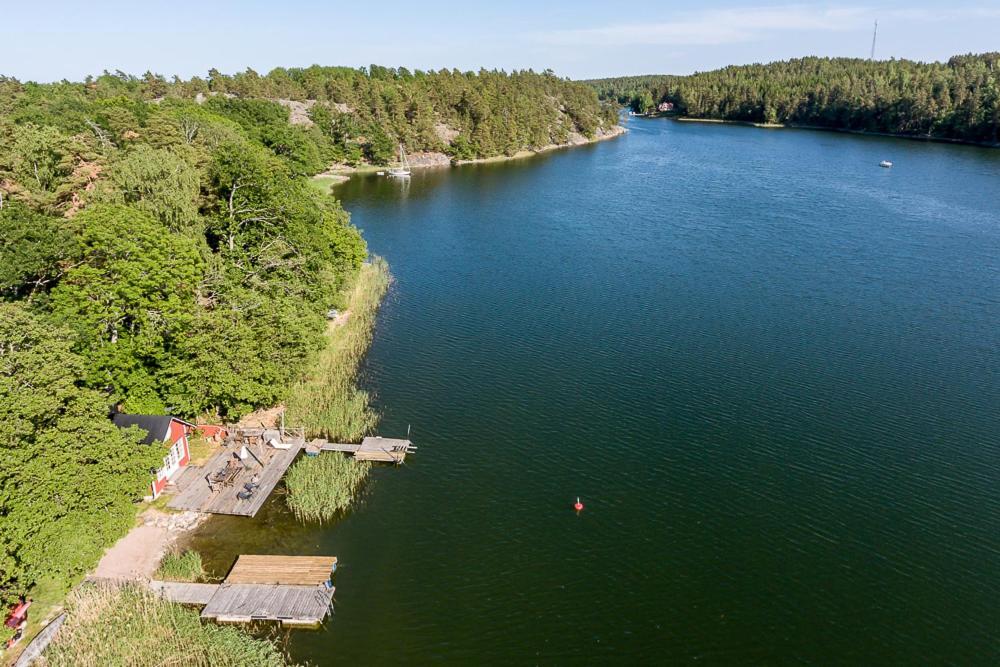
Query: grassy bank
(327, 402)
(132, 626)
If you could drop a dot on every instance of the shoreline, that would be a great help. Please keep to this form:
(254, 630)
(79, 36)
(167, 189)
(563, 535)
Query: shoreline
(798, 126)
(342, 173)
(135, 557)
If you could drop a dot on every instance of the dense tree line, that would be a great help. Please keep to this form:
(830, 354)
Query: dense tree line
(959, 99)
(164, 257)
(362, 114)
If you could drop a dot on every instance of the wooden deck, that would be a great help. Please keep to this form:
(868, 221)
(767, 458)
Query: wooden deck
(374, 448)
(195, 493)
(291, 605)
(288, 570)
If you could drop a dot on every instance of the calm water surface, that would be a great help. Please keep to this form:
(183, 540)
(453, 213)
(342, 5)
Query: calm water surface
(769, 368)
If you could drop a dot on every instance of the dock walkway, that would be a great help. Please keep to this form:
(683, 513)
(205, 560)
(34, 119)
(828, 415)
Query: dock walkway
(184, 593)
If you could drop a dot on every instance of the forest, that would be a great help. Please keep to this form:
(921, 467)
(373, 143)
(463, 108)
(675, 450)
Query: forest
(162, 251)
(958, 100)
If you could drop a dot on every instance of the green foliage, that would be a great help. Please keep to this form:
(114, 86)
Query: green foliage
(181, 566)
(41, 165)
(70, 477)
(132, 626)
(954, 100)
(168, 256)
(320, 487)
(128, 298)
(156, 181)
(379, 149)
(642, 102)
(294, 146)
(35, 251)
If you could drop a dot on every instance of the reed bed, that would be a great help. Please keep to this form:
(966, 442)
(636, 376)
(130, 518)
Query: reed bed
(181, 566)
(327, 402)
(319, 487)
(131, 626)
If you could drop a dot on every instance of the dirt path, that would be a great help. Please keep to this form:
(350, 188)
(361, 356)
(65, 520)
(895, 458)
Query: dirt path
(138, 554)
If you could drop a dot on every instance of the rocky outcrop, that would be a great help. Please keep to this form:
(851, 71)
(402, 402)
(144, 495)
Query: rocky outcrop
(446, 133)
(428, 159)
(298, 112)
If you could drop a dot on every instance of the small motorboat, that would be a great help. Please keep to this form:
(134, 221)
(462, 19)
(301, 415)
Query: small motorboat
(885, 163)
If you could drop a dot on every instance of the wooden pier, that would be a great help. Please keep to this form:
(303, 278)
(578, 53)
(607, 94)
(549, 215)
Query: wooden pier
(292, 590)
(372, 448)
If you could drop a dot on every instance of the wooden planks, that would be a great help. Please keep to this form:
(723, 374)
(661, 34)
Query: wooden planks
(287, 570)
(198, 496)
(294, 605)
(288, 589)
(386, 450)
(184, 593)
(374, 448)
(339, 447)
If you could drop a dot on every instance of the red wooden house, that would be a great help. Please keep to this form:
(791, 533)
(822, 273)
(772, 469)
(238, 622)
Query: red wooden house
(172, 432)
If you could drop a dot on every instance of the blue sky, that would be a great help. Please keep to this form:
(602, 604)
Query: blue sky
(47, 41)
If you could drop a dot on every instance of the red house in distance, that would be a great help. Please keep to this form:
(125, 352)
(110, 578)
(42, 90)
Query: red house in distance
(162, 429)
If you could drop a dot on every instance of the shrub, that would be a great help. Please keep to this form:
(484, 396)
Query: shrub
(181, 566)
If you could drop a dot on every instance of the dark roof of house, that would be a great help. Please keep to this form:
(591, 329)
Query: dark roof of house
(157, 427)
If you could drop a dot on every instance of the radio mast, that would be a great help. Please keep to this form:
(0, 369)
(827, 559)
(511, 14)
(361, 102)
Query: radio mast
(874, 36)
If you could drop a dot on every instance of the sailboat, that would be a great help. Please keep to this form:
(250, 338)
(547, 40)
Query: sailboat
(403, 170)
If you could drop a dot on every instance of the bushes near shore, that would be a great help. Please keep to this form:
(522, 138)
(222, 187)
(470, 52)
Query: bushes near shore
(956, 100)
(132, 626)
(181, 566)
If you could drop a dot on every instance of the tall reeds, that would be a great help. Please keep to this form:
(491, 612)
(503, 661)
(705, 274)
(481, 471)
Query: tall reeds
(181, 566)
(327, 402)
(321, 486)
(129, 625)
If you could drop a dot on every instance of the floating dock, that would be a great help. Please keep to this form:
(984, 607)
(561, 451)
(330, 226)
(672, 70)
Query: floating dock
(372, 448)
(292, 590)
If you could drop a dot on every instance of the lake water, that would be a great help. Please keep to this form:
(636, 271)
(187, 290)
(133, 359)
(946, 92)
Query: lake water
(769, 368)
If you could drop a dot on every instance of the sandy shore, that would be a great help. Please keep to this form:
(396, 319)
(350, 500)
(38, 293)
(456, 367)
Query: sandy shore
(138, 554)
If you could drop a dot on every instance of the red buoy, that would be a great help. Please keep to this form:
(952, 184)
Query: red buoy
(578, 506)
